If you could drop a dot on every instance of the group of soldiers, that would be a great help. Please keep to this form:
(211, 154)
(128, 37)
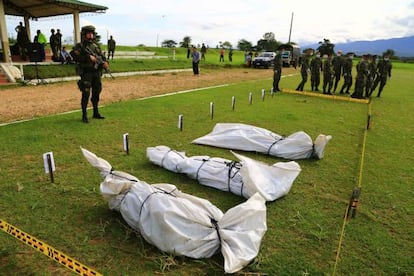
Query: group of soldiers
(370, 73)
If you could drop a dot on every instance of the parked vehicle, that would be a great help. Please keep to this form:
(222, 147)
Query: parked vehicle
(265, 59)
(290, 54)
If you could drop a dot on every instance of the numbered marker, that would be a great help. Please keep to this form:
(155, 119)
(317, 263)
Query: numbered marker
(126, 142)
(180, 122)
(49, 164)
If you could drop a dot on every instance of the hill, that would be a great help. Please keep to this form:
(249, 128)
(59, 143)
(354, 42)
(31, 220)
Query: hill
(402, 46)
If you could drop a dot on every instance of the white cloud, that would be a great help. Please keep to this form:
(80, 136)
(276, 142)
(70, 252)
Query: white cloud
(133, 22)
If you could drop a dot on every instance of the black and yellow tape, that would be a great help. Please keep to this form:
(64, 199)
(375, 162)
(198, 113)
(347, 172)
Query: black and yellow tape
(47, 250)
(326, 96)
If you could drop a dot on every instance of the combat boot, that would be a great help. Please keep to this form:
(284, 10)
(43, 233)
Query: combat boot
(96, 114)
(85, 116)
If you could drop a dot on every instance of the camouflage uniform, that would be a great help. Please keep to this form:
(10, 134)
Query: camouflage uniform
(277, 72)
(316, 67)
(304, 71)
(384, 71)
(337, 62)
(361, 78)
(328, 74)
(372, 69)
(89, 72)
(347, 72)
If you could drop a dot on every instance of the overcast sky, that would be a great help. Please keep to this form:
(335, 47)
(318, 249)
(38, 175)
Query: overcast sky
(148, 22)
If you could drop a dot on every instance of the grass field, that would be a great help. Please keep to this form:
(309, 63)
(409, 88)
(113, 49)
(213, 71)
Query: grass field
(305, 228)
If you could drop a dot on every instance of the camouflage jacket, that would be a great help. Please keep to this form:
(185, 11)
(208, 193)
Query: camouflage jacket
(82, 53)
(316, 65)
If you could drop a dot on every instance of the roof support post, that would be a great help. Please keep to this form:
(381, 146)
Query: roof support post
(77, 26)
(3, 34)
(27, 26)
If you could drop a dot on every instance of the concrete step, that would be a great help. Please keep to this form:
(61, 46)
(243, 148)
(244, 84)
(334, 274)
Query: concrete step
(3, 78)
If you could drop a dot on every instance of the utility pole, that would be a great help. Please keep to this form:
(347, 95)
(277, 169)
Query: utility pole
(291, 23)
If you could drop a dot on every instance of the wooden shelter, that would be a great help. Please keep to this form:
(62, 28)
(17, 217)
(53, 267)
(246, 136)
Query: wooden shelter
(34, 9)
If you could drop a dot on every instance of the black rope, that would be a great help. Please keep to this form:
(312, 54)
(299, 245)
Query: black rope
(215, 225)
(237, 166)
(202, 164)
(274, 143)
(313, 155)
(161, 191)
(165, 155)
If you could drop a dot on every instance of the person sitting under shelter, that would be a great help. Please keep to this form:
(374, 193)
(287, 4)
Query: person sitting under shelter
(65, 56)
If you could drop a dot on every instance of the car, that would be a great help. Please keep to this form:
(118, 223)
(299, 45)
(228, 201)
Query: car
(265, 59)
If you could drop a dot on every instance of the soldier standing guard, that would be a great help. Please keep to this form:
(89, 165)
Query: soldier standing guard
(337, 62)
(361, 78)
(347, 72)
(304, 70)
(277, 71)
(90, 62)
(328, 74)
(384, 72)
(316, 67)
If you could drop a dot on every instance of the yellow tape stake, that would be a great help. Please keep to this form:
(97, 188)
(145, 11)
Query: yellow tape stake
(48, 250)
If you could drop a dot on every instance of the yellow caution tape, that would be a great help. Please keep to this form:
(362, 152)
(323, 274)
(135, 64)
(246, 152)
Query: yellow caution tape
(47, 250)
(326, 96)
(355, 194)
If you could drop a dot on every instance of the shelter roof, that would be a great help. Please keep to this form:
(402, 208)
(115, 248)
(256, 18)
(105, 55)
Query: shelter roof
(45, 8)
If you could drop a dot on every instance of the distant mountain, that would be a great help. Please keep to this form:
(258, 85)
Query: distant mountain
(403, 47)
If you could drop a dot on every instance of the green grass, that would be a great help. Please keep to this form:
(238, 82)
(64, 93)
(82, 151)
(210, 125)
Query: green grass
(304, 227)
(133, 64)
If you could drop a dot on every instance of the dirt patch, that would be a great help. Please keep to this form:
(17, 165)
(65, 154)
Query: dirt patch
(35, 101)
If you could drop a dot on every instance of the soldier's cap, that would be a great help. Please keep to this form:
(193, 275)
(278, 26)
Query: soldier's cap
(88, 29)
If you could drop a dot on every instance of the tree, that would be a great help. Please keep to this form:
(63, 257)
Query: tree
(326, 47)
(186, 42)
(389, 52)
(168, 43)
(226, 45)
(244, 45)
(268, 43)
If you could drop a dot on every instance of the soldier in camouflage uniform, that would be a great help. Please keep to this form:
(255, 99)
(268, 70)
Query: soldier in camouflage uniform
(347, 72)
(372, 71)
(304, 70)
(328, 74)
(316, 67)
(383, 72)
(277, 71)
(361, 78)
(90, 62)
(337, 62)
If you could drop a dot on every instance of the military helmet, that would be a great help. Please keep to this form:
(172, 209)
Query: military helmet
(88, 29)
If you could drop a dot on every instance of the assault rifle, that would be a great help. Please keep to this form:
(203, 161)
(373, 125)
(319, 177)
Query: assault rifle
(99, 62)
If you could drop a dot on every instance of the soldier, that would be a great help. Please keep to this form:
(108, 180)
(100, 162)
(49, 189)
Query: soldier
(91, 61)
(337, 62)
(361, 78)
(372, 70)
(277, 71)
(111, 47)
(383, 72)
(328, 74)
(304, 70)
(347, 72)
(54, 43)
(316, 67)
